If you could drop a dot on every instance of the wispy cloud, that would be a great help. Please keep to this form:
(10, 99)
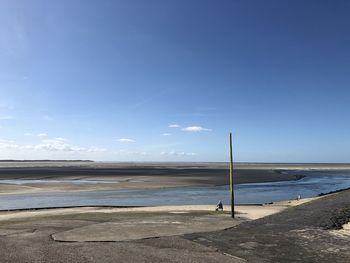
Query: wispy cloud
(61, 139)
(49, 145)
(42, 134)
(195, 129)
(174, 126)
(126, 140)
(174, 153)
(131, 153)
(56, 145)
(9, 141)
(166, 134)
(8, 144)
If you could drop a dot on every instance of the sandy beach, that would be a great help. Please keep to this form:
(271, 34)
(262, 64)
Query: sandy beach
(243, 211)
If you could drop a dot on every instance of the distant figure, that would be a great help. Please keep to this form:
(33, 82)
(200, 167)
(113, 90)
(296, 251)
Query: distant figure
(298, 197)
(219, 206)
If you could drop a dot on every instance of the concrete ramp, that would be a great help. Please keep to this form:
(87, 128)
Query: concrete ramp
(142, 229)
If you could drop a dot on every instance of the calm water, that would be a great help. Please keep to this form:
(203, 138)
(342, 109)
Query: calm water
(313, 184)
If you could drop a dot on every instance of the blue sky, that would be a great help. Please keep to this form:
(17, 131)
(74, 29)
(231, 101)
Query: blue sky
(167, 80)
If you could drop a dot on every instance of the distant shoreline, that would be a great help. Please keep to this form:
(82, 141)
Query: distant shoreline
(146, 163)
(43, 161)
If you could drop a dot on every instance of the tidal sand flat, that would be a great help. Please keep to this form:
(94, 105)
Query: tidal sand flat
(69, 184)
(31, 177)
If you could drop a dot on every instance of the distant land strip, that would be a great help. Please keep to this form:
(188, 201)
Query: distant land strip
(33, 161)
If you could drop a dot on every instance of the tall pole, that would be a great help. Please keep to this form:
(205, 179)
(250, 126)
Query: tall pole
(231, 180)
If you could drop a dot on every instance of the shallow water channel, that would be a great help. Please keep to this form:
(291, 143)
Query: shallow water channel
(254, 193)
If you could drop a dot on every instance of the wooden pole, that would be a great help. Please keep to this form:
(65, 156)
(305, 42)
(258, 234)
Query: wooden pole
(231, 180)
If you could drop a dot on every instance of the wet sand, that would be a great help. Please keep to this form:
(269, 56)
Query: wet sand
(115, 176)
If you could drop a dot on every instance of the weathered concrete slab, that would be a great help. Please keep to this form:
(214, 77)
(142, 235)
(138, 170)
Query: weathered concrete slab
(145, 228)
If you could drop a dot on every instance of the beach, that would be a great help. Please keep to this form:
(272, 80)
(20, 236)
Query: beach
(91, 176)
(170, 233)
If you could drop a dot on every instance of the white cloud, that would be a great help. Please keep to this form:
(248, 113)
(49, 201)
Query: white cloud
(51, 149)
(49, 145)
(174, 126)
(173, 153)
(5, 144)
(126, 140)
(95, 149)
(195, 129)
(7, 141)
(61, 139)
(166, 134)
(42, 134)
(55, 145)
(131, 153)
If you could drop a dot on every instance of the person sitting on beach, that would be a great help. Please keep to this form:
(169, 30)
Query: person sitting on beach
(219, 206)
